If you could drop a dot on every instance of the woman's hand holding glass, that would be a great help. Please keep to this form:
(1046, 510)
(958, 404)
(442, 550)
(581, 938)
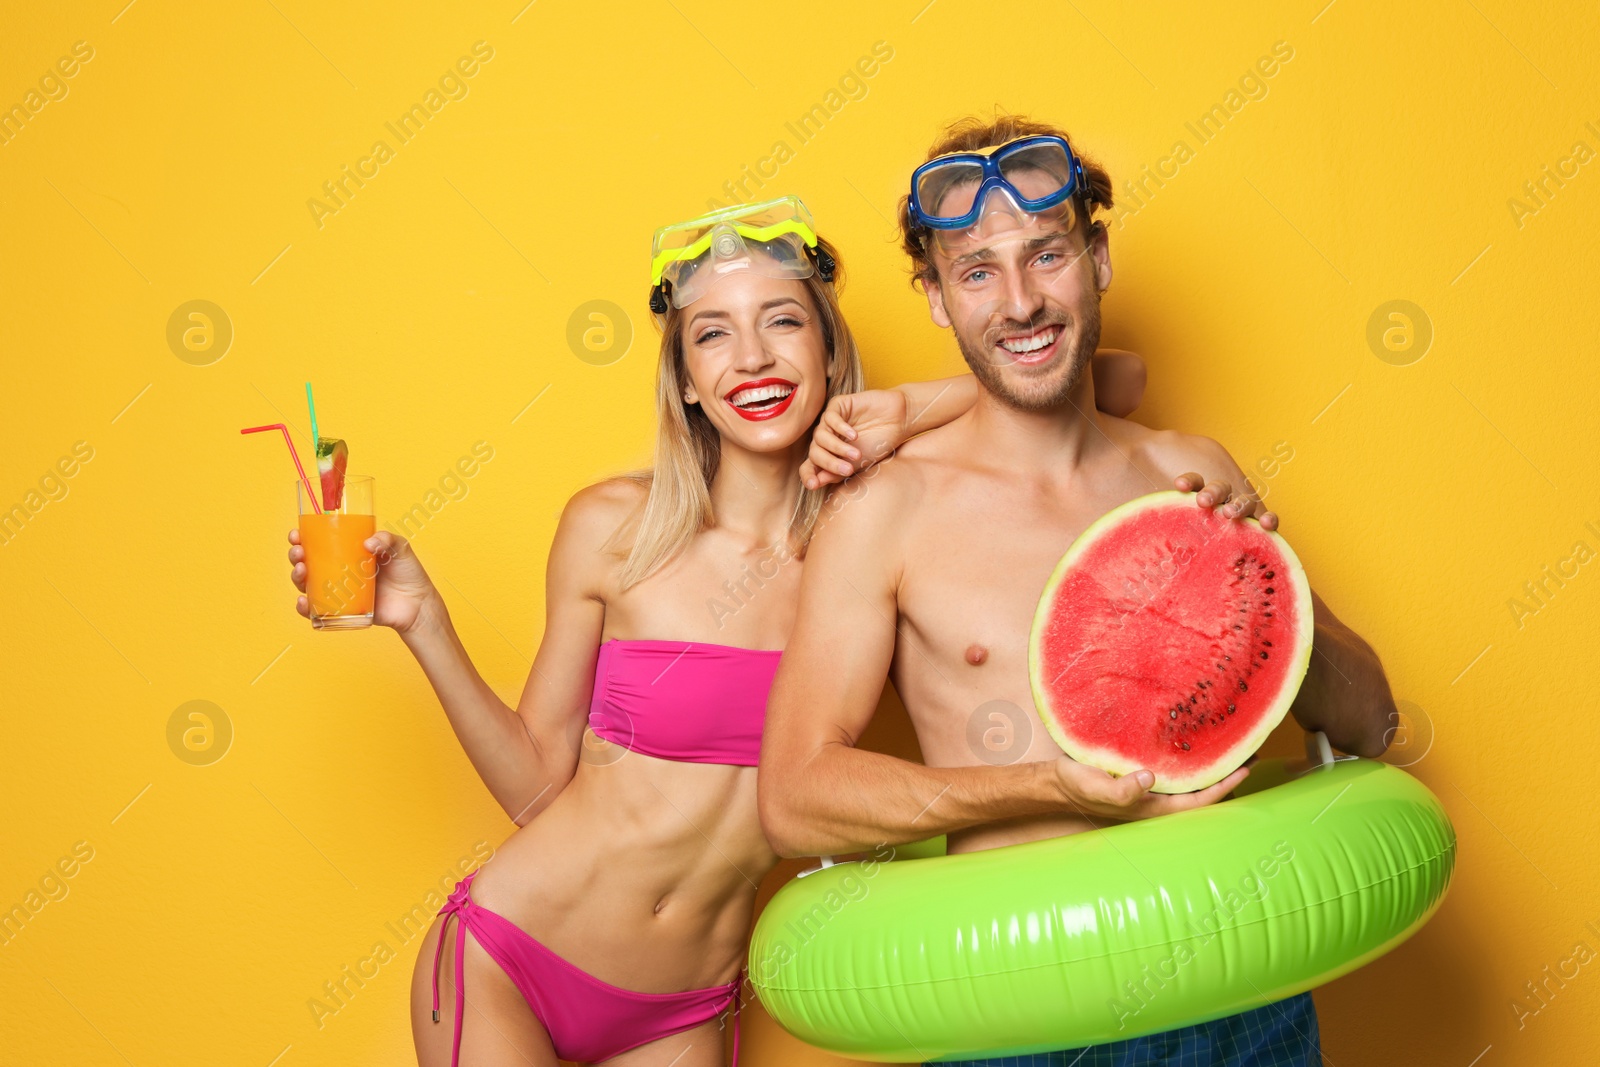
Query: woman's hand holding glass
(405, 595)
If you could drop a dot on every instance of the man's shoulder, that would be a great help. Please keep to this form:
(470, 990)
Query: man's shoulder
(913, 468)
(1169, 453)
(932, 455)
(880, 501)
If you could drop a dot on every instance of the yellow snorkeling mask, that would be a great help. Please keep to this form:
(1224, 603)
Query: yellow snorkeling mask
(775, 239)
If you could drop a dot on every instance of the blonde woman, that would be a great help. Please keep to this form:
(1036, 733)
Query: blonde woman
(611, 925)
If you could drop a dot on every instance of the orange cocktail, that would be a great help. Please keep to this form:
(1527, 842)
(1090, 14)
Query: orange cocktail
(340, 572)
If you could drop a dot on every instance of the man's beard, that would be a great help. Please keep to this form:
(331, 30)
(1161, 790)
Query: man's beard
(1025, 394)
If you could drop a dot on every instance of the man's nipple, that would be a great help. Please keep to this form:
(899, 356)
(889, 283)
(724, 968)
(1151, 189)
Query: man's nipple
(976, 655)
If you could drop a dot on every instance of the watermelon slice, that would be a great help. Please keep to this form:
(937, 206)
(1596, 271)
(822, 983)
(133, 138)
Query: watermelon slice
(1172, 639)
(332, 459)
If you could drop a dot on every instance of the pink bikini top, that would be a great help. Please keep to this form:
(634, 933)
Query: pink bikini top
(681, 700)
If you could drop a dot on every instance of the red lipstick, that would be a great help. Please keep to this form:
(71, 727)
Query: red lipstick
(771, 407)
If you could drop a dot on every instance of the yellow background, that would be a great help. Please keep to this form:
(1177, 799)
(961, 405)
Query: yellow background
(432, 308)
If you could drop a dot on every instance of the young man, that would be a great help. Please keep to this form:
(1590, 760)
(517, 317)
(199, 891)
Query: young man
(930, 575)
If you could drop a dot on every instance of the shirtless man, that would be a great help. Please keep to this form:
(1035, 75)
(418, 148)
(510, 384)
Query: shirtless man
(930, 573)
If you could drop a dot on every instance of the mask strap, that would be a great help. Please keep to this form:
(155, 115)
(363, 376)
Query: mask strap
(824, 262)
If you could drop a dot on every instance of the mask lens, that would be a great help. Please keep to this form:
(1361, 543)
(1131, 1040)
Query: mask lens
(946, 191)
(1001, 219)
(730, 253)
(1037, 170)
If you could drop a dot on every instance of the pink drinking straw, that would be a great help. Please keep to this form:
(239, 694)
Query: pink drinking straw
(292, 455)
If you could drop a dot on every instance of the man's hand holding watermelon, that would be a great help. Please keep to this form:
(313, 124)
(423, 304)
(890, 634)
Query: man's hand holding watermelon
(1220, 497)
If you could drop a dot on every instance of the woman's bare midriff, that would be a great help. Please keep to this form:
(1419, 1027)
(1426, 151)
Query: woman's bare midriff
(642, 872)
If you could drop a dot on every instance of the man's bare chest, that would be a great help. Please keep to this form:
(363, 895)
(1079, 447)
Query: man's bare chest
(979, 557)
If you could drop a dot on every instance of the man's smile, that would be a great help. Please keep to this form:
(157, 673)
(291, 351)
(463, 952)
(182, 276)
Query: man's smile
(1035, 346)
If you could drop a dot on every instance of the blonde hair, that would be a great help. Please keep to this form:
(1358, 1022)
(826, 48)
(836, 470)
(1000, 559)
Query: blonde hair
(689, 450)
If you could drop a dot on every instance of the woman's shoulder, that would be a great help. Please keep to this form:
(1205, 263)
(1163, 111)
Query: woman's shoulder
(607, 497)
(599, 514)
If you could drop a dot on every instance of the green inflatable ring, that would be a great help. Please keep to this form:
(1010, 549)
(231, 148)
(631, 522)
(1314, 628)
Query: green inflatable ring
(1143, 927)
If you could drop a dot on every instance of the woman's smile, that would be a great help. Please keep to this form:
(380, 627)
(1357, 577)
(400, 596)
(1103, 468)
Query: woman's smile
(763, 398)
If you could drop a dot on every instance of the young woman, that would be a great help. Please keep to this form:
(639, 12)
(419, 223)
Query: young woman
(611, 926)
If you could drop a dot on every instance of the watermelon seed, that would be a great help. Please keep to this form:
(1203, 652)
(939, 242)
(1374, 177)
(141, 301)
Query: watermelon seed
(1244, 687)
(1263, 653)
(1267, 643)
(1172, 714)
(1229, 658)
(1269, 589)
(1186, 746)
(1231, 709)
(1268, 575)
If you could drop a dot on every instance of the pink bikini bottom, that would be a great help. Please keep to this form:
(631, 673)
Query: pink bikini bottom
(588, 1020)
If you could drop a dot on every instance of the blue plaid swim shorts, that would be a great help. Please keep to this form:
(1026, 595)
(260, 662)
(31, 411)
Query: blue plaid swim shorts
(1275, 1035)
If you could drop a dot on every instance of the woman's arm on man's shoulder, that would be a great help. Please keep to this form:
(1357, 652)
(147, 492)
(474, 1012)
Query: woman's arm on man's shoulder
(859, 429)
